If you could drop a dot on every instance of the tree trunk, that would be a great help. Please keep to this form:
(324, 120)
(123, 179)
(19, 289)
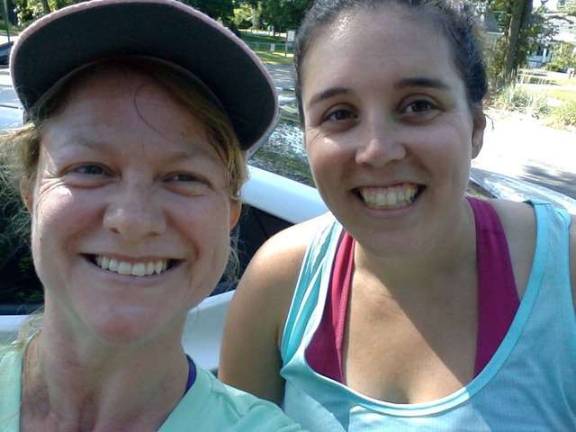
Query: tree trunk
(45, 7)
(519, 20)
(256, 15)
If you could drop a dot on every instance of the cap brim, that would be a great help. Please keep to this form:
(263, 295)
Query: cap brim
(59, 43)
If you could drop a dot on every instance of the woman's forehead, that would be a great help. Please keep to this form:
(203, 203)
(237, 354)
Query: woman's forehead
(377, 45)
(115, 106)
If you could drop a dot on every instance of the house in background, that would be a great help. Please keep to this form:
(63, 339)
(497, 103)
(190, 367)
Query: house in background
(566, 35)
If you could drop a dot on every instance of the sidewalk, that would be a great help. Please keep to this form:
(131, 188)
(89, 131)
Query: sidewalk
(525, 148)
(283, 75)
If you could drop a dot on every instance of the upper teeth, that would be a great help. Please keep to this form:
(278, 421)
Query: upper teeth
(147, 268)
(389, 197)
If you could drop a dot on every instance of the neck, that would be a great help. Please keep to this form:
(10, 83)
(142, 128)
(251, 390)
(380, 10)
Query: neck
(91, 386)
(436, 266)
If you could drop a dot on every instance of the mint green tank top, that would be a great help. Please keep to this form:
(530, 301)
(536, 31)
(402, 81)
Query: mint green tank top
(209, 405)
(529, 385)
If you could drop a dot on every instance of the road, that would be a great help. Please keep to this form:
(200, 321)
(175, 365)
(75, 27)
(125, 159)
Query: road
(525, 148)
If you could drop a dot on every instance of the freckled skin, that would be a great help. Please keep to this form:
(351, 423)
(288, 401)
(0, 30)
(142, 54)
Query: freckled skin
(125, 170)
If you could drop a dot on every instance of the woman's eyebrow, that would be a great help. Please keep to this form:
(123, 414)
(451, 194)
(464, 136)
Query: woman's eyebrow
(422, 82)
(327, 94)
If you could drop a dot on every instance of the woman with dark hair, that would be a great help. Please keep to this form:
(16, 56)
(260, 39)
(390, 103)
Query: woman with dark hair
(130, 165)
(411, 306)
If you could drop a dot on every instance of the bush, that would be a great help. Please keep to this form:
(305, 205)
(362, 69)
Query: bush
(563, 58)
(515, 98)
(565, 114)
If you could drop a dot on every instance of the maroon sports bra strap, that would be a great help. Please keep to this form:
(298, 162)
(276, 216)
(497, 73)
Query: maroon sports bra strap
(497, 295)
(324, 353)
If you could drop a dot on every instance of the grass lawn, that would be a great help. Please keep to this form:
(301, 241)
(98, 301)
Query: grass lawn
(249, 37)
(553, 85)
(275, 57)
(563, 94)
(260, 43)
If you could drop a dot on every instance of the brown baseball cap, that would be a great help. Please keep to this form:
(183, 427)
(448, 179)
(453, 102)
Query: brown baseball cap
(70, 38)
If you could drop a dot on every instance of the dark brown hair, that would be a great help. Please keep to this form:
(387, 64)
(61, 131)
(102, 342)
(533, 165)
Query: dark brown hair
(453, 19)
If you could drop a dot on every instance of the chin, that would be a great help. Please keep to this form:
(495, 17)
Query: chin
(134, 327)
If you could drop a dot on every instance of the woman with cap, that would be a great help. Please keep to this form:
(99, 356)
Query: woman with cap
(130, 165)
(410, 307)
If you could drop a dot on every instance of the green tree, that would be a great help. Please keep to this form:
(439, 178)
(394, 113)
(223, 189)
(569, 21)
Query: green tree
(564, 57)
(29, 10)
(523, 30)
(243, 16)
(520, 12)
(255, 7)
(284, 14)
(569, 8)
(222, 10)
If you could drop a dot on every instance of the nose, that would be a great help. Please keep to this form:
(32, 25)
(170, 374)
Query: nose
(381, 143)
(135, 214)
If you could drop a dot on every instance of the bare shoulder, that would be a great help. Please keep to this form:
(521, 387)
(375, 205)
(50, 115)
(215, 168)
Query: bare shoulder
(276, 264)
(250, 355)
(519, 223)
(271, 276)
(515, 216)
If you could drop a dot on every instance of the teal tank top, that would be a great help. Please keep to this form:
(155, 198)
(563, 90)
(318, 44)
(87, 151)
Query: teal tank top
(529, 385)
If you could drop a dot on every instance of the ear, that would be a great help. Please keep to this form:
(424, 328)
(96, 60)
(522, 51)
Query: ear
(478, 124)
(235, 211)
(26, 193)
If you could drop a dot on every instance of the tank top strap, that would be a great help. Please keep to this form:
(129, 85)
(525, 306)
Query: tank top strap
(325, 351)
(497, 294)
(311, 288)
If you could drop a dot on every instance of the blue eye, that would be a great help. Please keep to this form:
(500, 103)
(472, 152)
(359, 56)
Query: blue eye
(187, 183)
(89, 169)
(182, 177)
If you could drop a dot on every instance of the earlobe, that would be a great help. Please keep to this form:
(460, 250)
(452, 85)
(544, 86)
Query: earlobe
(478, 132)
(26, 194)
(235, 211)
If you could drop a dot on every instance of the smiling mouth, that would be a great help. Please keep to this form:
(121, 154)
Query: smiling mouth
(390, 197)
(138, 268)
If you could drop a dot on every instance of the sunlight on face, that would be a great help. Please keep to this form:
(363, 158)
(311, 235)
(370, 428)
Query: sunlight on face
(131, 211)
(389, 132)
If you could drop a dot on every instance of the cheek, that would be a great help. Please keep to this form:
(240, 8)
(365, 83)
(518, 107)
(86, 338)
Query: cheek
(59, 219)
(205, 224)
(446, 154)
(450, 145)
(324, 154)
(58, 211)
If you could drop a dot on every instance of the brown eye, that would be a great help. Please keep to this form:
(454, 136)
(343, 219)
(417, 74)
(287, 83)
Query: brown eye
(419, 106)
(340, 115)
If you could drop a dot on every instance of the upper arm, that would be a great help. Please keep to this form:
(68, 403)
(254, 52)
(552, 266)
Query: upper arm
(250, 355)
(573, 257)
